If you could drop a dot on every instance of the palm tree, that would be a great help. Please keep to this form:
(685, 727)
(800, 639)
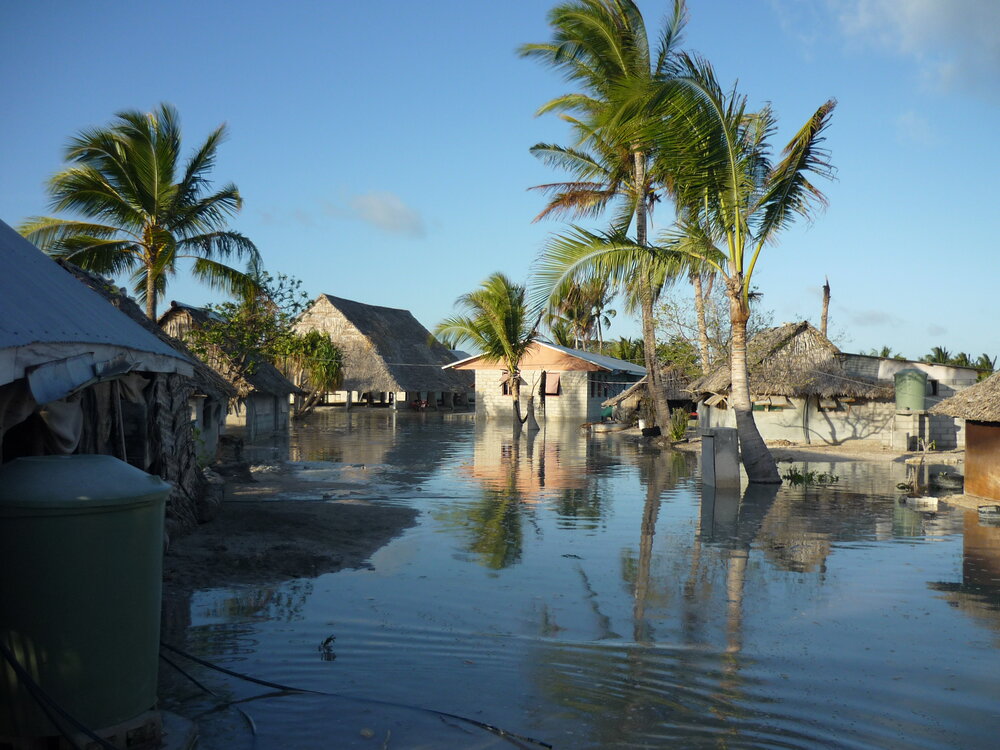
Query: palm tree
(629, 350)
(496, 320)
(581, 307)
(603, 46)
(938, 356)
(961, 359)
(885, 353)
(985, 364)
(142, 213)
(734, 201)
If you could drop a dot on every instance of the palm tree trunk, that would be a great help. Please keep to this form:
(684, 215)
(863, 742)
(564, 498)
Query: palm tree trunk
(661, 410)
(826, 307)
(515, 394)
(150, 295)
(757, 459)
(699, 308)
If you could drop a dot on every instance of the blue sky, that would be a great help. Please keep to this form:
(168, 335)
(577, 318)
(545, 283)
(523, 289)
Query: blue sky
(382, 147)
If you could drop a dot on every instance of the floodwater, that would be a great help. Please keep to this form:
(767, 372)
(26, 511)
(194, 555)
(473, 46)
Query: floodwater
(585, 592)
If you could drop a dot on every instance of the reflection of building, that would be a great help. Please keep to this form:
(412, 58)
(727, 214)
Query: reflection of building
(978, 595)
(804, 389)
(531, 463)
(565, 383)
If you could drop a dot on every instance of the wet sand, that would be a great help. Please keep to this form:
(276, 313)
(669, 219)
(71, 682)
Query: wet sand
(282, 527)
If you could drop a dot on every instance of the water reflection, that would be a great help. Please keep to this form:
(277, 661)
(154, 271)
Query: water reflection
(587, 591)
(978, 593)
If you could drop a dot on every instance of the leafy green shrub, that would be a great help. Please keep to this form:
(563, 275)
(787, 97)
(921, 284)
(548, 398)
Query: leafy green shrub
(677, 429)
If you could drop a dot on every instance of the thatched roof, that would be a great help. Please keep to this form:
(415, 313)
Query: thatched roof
(205, 379)
(794, 359)
(979, 402)
(385, 349)
(675, 383)
(257, 375)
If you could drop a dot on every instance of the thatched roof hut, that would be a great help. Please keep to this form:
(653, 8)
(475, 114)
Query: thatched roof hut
(979, 402)
(794, 360)
(79, 376)
(256, 375)
(675, 383)
(386, 350)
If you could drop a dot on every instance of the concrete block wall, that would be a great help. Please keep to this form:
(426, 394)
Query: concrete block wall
(573, 402)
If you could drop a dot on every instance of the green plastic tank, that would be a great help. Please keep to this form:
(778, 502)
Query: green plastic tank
(81, 557)
(911, 385)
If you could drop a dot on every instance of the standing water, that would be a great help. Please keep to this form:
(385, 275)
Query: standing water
(584, 591)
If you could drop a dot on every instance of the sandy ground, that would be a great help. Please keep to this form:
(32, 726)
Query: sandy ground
(283, 526)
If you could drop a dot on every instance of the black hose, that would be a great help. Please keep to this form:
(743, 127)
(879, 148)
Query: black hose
(511, 737)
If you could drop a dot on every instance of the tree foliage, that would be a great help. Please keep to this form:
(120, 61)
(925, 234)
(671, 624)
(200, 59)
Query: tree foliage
(677, 323)
(142, 210)
(496, 320)
(261, 327)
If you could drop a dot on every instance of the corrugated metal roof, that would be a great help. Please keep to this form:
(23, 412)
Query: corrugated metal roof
(600, 360)
(45, 308)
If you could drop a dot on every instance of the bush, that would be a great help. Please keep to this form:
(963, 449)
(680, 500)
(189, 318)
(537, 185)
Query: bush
(678, 424)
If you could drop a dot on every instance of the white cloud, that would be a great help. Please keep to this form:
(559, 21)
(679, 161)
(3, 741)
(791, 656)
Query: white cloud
(387, 212)
(867, 318)
(914, 128)
(956, 44)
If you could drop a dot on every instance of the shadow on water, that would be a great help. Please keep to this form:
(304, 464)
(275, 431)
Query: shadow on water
(588, 591)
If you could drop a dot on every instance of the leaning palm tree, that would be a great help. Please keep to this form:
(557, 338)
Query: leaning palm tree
(142, 212)
(735, 200)
(603, 46)
(496, 320)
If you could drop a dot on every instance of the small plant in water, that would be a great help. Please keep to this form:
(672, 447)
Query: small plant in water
(678, 424)
(796, 477)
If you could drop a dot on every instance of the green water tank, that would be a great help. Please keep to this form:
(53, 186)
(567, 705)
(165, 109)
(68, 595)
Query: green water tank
(911, 385)
(81, 558)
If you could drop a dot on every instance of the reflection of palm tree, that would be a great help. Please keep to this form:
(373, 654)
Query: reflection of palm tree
(495, 522)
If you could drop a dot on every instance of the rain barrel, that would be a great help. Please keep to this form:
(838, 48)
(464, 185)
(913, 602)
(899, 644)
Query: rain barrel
(81, 557)
(911, 385)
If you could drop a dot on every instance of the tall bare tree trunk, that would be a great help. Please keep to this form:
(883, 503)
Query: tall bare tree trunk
(699, 308)
(515, 395)
(826, 306)
(150, 295)
(661, 410)
(757, 459)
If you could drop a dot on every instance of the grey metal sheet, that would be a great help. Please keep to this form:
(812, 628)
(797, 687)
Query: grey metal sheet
(40, 303)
